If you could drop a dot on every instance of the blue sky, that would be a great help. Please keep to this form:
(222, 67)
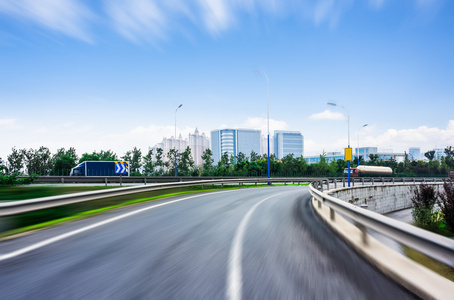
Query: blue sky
(109, 74)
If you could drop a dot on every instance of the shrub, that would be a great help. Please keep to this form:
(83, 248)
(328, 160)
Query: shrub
(11, 179)
(447, 203)
(424, 212)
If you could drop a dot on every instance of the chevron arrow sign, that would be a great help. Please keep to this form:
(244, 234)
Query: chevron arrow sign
(121, 167)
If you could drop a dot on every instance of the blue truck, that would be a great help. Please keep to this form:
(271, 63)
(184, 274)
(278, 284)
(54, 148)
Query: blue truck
(101, 168)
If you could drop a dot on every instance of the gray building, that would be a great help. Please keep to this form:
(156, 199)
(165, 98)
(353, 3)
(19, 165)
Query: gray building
(287, 142)
(234, 141)
(414, 153)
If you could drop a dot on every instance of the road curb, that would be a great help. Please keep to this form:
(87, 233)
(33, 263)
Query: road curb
(414, 277)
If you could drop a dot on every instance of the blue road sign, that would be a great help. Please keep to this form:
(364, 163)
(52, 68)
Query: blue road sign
(121, 167)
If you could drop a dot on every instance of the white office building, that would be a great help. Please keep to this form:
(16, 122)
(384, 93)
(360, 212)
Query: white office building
(234, 141)
(288, 142)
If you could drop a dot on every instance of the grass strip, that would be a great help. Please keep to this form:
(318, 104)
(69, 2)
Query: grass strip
(430, 263)
(92, 212)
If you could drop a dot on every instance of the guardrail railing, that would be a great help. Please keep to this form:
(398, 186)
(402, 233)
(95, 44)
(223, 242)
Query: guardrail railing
(9, 208)
(438, 247)
(153, 179)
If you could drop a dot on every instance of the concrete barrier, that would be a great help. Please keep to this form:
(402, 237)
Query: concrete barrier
(381, 199)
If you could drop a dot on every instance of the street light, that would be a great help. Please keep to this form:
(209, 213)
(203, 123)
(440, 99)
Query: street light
(174, 150)
(268, 118)
(348, 124)
(358, 140)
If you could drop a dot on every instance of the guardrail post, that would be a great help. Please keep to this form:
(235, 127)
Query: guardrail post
(145, 181)
(105, 181)
(62, 180)
(372, 180)
(403, 180)
(362, 180)
(365, 237)
(222, 185)
(327, 184)
(393, 180)
(203, 187)
(256, 183)
(332, 214)
(320, 184)
(424, 180)
(383, 180)
(353, 181)
(414, 180)
(343, 182)
(335, 183)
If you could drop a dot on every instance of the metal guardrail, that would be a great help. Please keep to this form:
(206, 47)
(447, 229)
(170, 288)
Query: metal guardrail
(9, 208)
(438, 247)
(155, 179)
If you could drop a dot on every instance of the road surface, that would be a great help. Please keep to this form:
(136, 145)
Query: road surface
(256, 243)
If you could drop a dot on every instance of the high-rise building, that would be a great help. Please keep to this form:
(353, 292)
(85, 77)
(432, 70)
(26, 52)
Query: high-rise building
(364, 152)
(198, 143)
(414, 153)
(234, 141)
(439, 153)
(288, 142)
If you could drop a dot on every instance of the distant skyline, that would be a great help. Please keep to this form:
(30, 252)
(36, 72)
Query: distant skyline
(99, 75)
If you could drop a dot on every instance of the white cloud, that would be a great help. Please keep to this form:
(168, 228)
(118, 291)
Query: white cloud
(8, 124)
(424, 137)
(66, 16)
(261, 124)
(400, 140)
(137, 18)
(328, 115)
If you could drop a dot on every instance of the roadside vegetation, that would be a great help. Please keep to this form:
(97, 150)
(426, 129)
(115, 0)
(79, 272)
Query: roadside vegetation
(157, 163)
(54, 216)
(433, 210)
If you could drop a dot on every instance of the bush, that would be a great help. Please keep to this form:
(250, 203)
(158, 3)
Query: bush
(11, 179)
(447, 203)
(424, 212)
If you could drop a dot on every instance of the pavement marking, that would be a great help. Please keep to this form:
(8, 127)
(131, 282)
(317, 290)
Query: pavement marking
(77, 231)
(234, 273)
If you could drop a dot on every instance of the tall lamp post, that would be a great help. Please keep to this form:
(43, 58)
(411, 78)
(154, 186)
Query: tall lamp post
(358, 140)
(268, 119)
(174, 149)
(348, 124)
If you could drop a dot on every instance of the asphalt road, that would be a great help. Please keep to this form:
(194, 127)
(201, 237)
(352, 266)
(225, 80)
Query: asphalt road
(257, 243)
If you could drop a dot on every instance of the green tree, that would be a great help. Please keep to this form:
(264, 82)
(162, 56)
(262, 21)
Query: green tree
(289, 164)
(333, 167)
(254, 156)
(185, 163)
(15, 160)
(373, 159)
(322, 167)
(101, 156)
(148, 164)
(302, 165)
(170, 164)
(449, 159)
(63, 165)
(241, 157)
(159, 162)
(207, 158)
(430, 155)
(134, 157)
(38, 161)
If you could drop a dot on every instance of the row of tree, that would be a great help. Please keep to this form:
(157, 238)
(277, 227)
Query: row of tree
(42, 162)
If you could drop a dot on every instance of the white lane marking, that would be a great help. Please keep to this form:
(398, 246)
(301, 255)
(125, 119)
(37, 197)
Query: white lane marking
(71, 233)
(234, 275)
